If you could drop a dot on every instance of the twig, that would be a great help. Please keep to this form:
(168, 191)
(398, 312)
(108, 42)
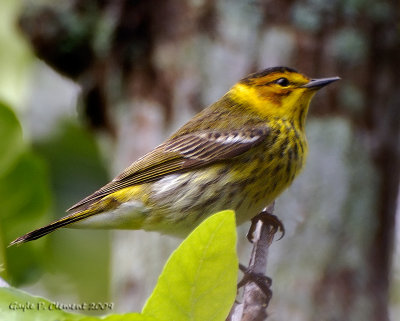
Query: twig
(256, 293)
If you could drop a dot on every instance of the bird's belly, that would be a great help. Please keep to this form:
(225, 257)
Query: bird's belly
(181, 201)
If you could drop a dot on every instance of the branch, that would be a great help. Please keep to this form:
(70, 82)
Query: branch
(256, 293)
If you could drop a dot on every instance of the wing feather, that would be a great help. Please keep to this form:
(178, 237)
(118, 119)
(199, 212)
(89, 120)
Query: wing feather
(181, 154)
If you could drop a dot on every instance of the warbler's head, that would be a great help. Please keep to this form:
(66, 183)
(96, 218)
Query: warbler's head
(278, 92)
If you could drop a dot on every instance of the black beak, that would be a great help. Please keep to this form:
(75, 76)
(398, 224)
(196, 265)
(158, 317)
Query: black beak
(319, 83)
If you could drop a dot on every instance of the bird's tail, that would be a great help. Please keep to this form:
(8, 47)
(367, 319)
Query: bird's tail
(67, 220)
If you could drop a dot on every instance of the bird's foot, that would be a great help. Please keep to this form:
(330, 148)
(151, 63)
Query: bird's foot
(262, 281)
(269, 220)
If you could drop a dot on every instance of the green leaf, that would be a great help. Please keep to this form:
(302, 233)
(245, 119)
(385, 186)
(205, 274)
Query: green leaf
(11, 143)
(199, 280)
(25, 200)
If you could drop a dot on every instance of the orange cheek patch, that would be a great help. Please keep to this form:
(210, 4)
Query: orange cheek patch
(275, 97)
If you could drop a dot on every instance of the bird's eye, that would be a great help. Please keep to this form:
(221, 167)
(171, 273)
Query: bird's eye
(284, 82)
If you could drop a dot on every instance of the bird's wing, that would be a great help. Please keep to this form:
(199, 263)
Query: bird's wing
(179, 154)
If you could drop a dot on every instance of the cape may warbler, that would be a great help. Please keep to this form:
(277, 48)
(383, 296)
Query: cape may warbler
(240, 153)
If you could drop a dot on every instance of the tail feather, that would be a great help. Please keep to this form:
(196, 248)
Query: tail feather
(104, 205)
(51, 227)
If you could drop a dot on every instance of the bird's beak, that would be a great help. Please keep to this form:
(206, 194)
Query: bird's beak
(319, 83)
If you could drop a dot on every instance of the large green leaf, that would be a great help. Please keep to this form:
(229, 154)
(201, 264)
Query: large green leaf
(199, 280)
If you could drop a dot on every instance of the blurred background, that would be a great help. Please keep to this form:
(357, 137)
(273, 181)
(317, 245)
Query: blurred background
(86, 87)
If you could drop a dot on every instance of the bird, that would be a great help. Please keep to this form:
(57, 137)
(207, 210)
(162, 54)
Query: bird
(239, 153)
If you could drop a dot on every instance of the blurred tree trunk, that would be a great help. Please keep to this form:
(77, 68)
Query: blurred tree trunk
(146, 66)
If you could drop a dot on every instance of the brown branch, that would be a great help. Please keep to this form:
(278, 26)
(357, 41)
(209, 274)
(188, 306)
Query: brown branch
(256, 293)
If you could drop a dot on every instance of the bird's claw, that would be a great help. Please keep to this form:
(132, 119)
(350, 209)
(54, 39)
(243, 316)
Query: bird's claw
(269, 220)
(262, 281)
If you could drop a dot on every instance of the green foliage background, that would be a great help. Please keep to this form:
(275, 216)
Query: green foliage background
(39, 179)
(34, 181)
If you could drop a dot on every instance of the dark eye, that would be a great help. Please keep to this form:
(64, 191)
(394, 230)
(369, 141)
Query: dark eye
(284, 82)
